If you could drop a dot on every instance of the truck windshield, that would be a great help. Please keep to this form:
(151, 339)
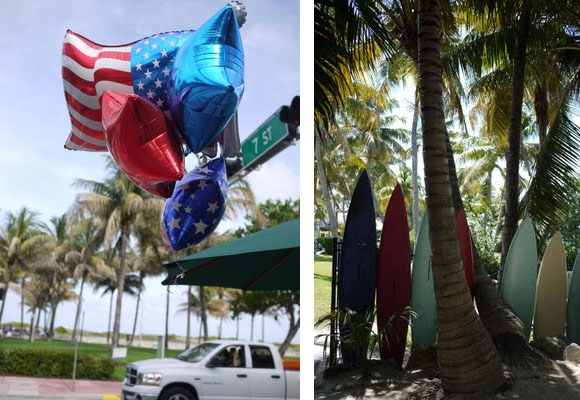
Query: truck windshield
(197, 353)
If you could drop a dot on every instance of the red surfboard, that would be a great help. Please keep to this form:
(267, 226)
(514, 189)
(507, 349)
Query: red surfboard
(394, 280)
(466, 249)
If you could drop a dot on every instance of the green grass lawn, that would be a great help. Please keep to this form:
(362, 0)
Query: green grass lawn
(95, 350)
(322, 280)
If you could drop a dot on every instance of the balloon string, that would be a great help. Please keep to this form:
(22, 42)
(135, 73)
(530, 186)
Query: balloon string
(180, 276)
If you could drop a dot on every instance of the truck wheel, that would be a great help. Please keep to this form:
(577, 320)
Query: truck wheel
(178, 393)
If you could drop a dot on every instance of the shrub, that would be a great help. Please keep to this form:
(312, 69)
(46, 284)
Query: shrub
(53, 363)
(326, 242)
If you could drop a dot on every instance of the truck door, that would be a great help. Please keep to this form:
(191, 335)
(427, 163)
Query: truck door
(226, 375)
(266, 382)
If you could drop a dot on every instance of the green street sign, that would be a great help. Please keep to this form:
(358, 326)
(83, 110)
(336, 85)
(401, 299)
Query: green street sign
(263, 139)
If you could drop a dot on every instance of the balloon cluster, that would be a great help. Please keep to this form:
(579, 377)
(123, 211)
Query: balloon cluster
(144, 101)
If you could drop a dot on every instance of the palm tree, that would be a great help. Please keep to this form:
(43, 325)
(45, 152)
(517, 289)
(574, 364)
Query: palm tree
(117, 202)
(85, 263)
(191, 306)
(458, 322)
(20, 240)
(109, 284)
(148, 260)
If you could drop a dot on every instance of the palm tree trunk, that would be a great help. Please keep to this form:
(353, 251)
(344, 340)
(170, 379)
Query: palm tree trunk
(467, 357)
(4, 295)
(220, 327)
(199, 335)
(252, 330)
(79, 306)
(203, 306)
(263, 318)
(290, 335)
(136, 313)
(514, 133)
(237, 327)
(121, 285)
(110, 314)
(188, 334)
(541, 109)
(53, 308)
(21, 304)
(323, 185)
(53, 304)
(488, 189)
(37, 320)
(167, 319)
(31, 333)
(501, 322)
(414, 167)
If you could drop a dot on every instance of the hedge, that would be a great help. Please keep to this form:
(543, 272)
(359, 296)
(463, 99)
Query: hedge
(326, 242)
(53, 363)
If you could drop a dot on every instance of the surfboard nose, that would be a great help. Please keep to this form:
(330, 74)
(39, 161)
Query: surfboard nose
(208, 79)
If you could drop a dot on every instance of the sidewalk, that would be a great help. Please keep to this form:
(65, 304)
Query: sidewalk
(36, 388)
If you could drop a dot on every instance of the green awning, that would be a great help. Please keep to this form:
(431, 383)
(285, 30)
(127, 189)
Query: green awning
(265, 260)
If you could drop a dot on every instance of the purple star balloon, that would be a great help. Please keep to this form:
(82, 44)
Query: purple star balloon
(197, 205)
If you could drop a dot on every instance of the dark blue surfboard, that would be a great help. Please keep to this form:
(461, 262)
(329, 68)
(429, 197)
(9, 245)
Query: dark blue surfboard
(357, 272)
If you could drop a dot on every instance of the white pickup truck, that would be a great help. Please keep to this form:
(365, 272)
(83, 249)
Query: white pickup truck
(214, 370)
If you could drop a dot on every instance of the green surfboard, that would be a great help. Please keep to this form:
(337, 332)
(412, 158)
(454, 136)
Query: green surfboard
(518, 287)
(424, 325)
(550, 310)
(573, 307)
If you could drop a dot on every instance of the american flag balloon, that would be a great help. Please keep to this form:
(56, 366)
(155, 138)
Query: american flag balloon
(200, 89)
(197, 205)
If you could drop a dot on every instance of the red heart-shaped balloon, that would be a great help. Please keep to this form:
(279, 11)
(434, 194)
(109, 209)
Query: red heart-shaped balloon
(142, 142)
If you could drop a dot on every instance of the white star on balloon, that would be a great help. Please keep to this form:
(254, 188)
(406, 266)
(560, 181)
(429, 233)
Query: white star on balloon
(163, 53)
(146, 56)
(155, 63)
(202, 184)
(166, 71)
(200, 227)
(212, 207)
(150, 94)
(140, 84)
(187, 210)
(204, 170)
(138, 50)
(138, 66)
(176, 206)
(174, 223)
(148, 74)
(158, 83)
(159, 102)
(154, 46)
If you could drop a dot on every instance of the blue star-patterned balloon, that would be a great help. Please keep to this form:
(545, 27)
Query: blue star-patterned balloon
(197, 205)
(207, 80)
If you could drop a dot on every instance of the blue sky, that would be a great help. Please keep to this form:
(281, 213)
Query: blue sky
(35, 169)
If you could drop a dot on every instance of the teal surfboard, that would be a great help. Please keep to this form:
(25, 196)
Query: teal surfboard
(518, 287)
(424, 325)
(573, 307)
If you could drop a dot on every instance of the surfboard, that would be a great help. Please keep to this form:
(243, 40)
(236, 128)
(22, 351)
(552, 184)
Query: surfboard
(520, 273)
(573, 306)
(424, 324)
(394, 280)
(550, 309)
(358, 267)
(465, 248)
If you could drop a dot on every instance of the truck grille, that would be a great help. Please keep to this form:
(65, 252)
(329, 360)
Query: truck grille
(131, 375)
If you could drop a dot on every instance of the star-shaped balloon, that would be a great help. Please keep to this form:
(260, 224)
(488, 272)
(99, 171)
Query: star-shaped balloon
(207, 80)
(142, 142)
(197, 205)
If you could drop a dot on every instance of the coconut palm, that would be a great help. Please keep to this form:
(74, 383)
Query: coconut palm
(109, 284)
(21, 240)
(83, 259)
(117, 202)
(480, 363)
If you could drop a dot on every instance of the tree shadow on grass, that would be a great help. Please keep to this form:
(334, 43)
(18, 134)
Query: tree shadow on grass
(322, 277)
